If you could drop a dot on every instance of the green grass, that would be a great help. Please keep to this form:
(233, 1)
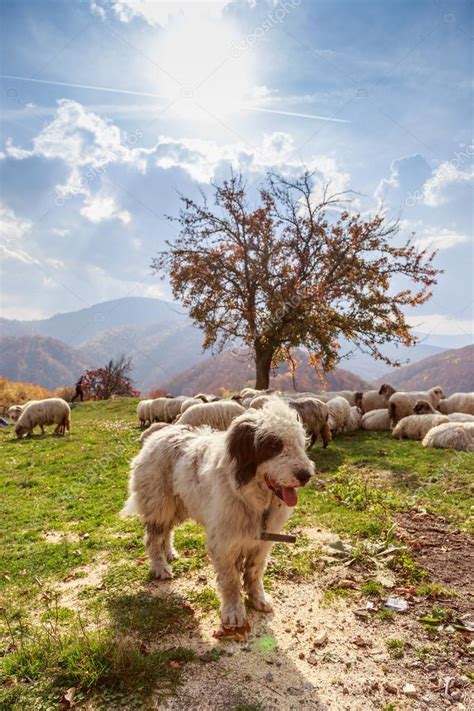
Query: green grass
(205, 599)
(59, 506)
(396, 648)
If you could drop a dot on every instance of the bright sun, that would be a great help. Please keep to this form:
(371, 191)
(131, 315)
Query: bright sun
(206, 66)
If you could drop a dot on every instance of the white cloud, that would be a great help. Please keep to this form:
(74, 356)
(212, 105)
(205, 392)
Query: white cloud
(85, 142)
(441, 325)
(202, 159)
(445, 182)
(60, 232)
(99, 208)
(428, 236)
(12, 227)
(439, 239)
(159, 12)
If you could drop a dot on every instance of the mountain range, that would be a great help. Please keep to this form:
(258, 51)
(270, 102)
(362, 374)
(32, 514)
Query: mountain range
(165, 347)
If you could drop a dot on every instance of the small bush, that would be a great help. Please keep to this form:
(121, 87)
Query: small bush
(17, 393)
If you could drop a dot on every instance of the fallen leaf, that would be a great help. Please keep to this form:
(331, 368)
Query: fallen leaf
(237, 633)
(67, 699)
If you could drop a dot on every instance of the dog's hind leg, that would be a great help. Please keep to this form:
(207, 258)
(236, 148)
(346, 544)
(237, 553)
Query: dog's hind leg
(255, 565)
(158, 545)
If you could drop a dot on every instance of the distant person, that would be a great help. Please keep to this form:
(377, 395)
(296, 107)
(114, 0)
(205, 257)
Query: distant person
(79, 390)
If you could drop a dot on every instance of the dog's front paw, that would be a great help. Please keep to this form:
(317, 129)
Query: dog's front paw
(233, 615)
(162, 572)
(261, 602)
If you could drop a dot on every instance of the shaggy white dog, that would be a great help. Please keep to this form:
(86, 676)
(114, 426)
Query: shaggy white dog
(237, 484)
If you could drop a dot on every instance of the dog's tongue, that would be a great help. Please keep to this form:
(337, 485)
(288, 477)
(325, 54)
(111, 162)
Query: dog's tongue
(290, 496)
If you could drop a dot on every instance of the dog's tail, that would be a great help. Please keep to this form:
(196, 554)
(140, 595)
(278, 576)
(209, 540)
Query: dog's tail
(131, 507)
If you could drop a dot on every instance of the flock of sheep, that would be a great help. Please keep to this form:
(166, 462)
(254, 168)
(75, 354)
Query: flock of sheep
(439, 422)
(428, 416)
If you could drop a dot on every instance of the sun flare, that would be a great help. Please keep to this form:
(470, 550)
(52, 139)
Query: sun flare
(205, 66)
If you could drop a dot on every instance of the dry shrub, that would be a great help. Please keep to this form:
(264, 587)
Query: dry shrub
(66, 392)
(17, 393)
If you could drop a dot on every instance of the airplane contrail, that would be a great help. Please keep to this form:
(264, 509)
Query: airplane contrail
(294, 113)
(85, 86)
(129, 92)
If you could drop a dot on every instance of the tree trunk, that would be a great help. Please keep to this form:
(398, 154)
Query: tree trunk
(263, 361)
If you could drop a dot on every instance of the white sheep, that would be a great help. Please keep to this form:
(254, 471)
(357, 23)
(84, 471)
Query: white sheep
(374, 399)
(339, 414)
(172, 408)
(348, 395)
(249, 392)
(155, 427)
(189, 402)
(451, 435)
(401, 404)
(259, 401)
(376, 420)
(354, 420)
(207, 397)
(144, 413)
(458, 402)
(14, 412)
(315, 415)
(157, 407)
(217, 415)
(416, 426)
(460, 417)
(51, 411)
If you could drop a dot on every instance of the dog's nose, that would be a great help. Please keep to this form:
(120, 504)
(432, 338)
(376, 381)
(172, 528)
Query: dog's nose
(303, 476)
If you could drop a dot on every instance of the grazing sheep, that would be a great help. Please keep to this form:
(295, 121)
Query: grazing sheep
(451, 435)
(207, 397)
(189, 402)
(401, 404)
(460, 417)
(15, 411)
(339, 414)
(259, 401)
(172, 408)
(157, 409)
(376, 421)
(144, 413)
(423, 407)
(374, 399)
(387, 391)
(458, 402)
(348, 395)
(52, 411)
(249, 392)
(217, 415)
(302, 395)
(155, 427)
(355, 417)
(314, 414)
(416, 426)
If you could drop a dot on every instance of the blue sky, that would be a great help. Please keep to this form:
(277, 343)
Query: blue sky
(374, 96)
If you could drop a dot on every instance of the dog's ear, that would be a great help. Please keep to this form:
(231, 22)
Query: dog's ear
(248, 451)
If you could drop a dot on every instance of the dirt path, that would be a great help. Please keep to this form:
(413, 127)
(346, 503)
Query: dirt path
(308, 655)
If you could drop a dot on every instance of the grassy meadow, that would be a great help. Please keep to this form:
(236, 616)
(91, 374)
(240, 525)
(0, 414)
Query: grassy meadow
(112, 644)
